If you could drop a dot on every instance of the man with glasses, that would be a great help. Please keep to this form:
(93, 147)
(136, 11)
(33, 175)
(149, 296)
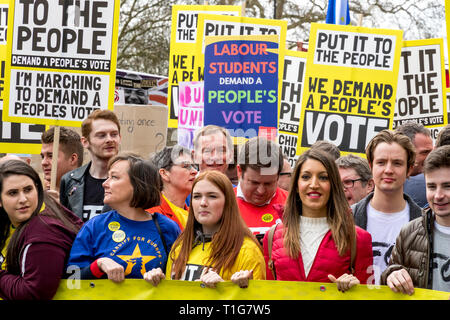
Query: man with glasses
(284, 181)
(356, 177)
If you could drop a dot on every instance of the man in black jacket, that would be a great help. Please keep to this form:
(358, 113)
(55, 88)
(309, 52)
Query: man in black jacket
(81, 189)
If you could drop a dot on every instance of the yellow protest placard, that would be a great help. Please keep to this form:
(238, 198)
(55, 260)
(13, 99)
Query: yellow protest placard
(14, 137)
(182, 46)
(138, 289)
(421, 84)
(61, 60)
(350, 85)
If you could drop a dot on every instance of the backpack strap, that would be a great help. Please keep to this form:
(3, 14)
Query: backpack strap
(353, 256)
(155, 219)
(270, 263)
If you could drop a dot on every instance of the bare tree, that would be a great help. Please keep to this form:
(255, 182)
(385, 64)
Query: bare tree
(144, 35)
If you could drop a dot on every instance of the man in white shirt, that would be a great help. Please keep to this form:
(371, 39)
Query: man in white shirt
(385, 211)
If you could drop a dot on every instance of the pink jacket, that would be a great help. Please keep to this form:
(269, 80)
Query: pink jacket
(327, 260)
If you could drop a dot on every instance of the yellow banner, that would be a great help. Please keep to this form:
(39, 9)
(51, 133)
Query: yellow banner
(136, 289)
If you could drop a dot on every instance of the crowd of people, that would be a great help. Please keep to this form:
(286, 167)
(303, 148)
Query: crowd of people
(182, 214)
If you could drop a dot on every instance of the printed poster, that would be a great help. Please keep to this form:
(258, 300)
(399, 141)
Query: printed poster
(421, 84)
(350, 86)
(14, 137)
(183, 38)
(61, 60)
(241, 84)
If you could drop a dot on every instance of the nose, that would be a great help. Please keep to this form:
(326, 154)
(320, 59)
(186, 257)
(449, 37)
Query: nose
(203, 202)
(106, 183)
(439, 195)
(46, 161)
(314, 182)
(22, 197)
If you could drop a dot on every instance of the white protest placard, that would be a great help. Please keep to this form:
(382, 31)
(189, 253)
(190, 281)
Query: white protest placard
(61, 60)
(421, 84)
(291, 102)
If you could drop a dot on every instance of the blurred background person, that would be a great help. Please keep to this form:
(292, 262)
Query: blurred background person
(177, 172)
(356, 177)
(284, 181)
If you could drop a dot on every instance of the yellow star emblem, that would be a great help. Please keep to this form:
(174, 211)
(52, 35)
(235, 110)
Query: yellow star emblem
(132, 259)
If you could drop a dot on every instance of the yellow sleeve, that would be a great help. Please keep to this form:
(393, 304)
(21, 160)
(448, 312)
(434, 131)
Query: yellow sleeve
(251, 258)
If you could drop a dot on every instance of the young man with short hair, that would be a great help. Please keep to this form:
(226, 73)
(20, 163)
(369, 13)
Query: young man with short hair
(70, 154)
(260, 162)
(384, 212)
(81, 189)
(421, 255)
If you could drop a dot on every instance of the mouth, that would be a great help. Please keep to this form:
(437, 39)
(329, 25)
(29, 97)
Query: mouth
(388, 180)
(440, 205)
(23, 209)
(314, 195)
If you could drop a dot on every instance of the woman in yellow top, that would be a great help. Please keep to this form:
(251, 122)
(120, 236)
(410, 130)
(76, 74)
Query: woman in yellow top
(216, 245)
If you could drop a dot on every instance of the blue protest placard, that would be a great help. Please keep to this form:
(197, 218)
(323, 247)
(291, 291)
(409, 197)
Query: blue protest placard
(241, 84)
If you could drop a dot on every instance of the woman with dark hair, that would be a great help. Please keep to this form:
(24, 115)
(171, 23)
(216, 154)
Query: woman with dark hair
(318, 240)
(34, 230)
(216, 245)
(177, 173)
(127, 241)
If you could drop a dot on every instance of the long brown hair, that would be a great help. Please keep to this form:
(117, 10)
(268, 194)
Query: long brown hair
(338, 214)
(18, 167)
(226, 242)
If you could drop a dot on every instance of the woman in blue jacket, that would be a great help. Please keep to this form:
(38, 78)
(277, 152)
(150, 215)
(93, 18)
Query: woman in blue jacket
(127, 241)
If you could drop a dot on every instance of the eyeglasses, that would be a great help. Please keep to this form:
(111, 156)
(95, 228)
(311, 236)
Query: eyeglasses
(187, 165)
(350, 183)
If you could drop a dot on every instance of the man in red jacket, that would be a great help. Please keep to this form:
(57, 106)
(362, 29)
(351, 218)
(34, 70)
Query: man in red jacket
(260, 162)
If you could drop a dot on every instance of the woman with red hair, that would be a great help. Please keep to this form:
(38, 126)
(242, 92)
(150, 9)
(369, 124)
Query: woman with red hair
(216, 245)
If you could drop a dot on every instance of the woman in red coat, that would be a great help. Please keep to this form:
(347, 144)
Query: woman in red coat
(316, 240)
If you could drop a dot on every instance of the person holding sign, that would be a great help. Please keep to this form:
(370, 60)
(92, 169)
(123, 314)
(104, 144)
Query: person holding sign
(36, 235)
(421, 254)
(127, 241)
(317, 240)
(81, 189)
(215, 245)
(386, 210)
(260, 162)
(177, 173)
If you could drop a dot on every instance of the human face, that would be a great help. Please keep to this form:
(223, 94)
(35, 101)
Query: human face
(19, 198)
(181, 175)
(389, 167)
(257, 188)
(65, 164)
(359, 190)
(284, 181)
(423, 145)
(211, 152)
(313, 189)
(104, 139)
(438, 194)
(118, 188)
(208, 202)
